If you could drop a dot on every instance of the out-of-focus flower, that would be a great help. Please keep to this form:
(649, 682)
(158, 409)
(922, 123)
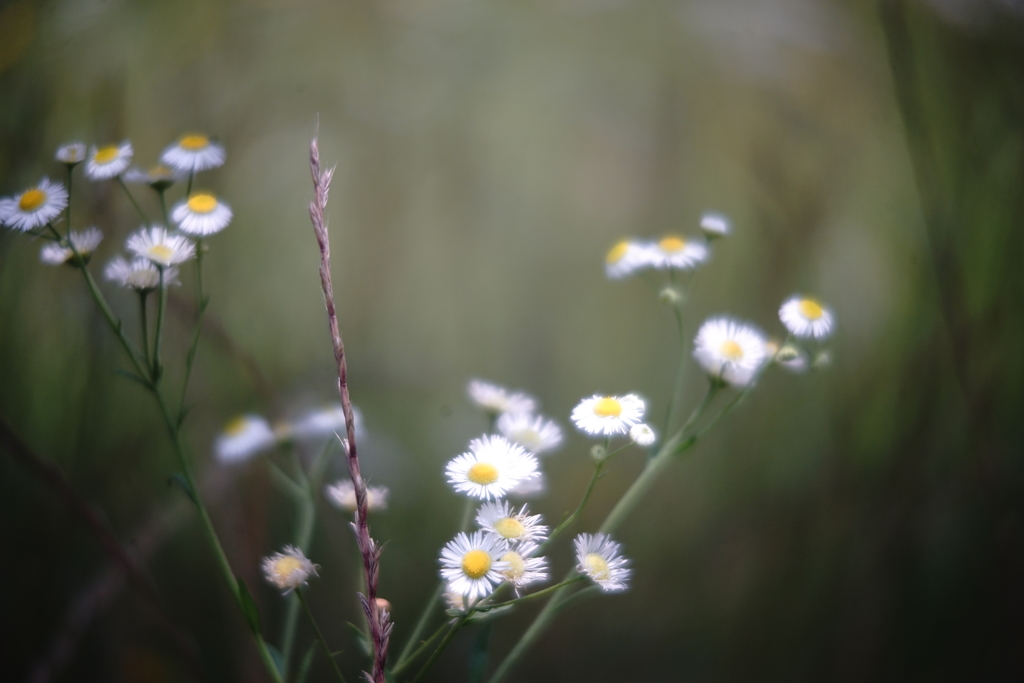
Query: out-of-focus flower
(806, 317)
(608, 415)
(85, 243)
(193, 153)
(34, 207)
(108, 162)
(730, 350)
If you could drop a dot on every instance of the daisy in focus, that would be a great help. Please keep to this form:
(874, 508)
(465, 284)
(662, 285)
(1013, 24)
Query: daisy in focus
(71, 154)
(288, 570)
(626, 258)
(492, 467)
(108, 162)
(806, 317)
(243, 438)
(535, 433)
(343, 495)
(516, 528)
(678, 253)
(472, 564)
(497, 399)
(714, 225)
(608, 415)
(730, 351)
(524, 569)
(193, 153)
(201, 214)
(598, 557)
(34, 207)
(84, 243)
(160, 247)
(139, 274)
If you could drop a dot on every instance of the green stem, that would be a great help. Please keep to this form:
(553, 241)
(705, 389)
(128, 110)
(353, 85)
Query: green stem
(138, 360)
(138, 209)
(467, 515)
(305, 523)
(406, 661)
(159, 336)
(319, 634)
(67, 211)
(444, 643)
(407, 652)
(144, 322)
(579, 508)
(188, 190)
(677, 386)
(531, 596)
(203, 302)
(163, 209)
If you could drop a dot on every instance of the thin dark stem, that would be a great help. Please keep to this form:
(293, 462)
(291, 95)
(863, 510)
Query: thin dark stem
(131, 198)
(579, 508)
(406, 661)
(421, 624)
(444, 644)
(157, 368)
(144, 322)
(319, 635)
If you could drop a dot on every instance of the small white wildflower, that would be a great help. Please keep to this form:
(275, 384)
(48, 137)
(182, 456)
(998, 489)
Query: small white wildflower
(497, 399)
(139, 274)
(490, 468)
(535, 433)
(71, 154)
(472, 564)
(193, 153)
(806, 317)
(57, 253)
(288, 570)
(108, 162)
(598, 557)
(326, 422)
(201, 214)
(715, 225)
(158, 177)
(343, 494)
(642, 435)
(34, 207)
(627, 257)
(243, 438)
(678, 253)
(608, 415)
(160, 247)
(499, 518)
(730, 350)
(524, 569)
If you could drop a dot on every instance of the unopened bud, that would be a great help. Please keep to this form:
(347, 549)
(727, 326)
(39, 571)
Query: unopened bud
(599, 453)
(714, 225)
(822, 360)
(787, 353)
(670, 296)
(382, 605)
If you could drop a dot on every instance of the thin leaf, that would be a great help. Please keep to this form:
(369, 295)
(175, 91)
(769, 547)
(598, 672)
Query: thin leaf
(252, 615)
(182, 482)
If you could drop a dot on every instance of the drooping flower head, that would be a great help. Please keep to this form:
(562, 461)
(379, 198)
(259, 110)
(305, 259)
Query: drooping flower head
(714, 225)
(678, 253)
(193, 153)
(608, 415)
(490, 468)
(472, 564)
(109, 161)
(598, 557)
(806, 317)
(59, 253)
(342, 494)
(730, 351)
(160, 247)
(139, 274)
(497, 399)
(535, 433)
(243, 438)
(498, 517)
(288, 570)
(627, 257)
(201, 214)
(34, 207)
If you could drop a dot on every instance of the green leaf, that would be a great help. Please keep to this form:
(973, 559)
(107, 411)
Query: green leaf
(252, 615)
(276, 655)
(182, 482)
(307, 661)
(361, 638)
(135, 378)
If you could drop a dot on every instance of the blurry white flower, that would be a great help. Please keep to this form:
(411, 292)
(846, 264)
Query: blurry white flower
(715, 225)
(806, 317)
(642, 435)
(472, 564)
(288, 570)
(85, 243)
(676, 252)
(626, 258)
(193, 153)
(244, 437)
(159, 177)
(71, 153)
(535, 433)
(608, 415)
(160, 247)
(343, 494)
(201, 214)
(499, 518)
(523, 569)
(34, 207)
(326, 422)
(598, 557)
(530, 488)
(108, 162)
(497, 399)
(491, 468)
(730, 350)
(139, 274)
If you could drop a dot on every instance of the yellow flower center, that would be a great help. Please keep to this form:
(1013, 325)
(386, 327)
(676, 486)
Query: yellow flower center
(286, 566)
(516, 565)
(476, 563)
(194, 143)
(596, 566)
(32, 200)
(672, 244)
(236, 426)
(509, 527)
(105, 155)
(731, 350)
(483, 473)
(617, 252)
(161, 252)
(608, 407)
(202, 203)
(811, 309)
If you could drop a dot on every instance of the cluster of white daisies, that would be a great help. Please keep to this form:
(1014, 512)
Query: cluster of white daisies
(155, 251)
(672, 252)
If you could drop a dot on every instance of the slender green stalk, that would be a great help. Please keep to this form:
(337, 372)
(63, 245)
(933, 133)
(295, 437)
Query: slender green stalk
(163, 207)
(319, 634)
(531, 596)
(405, 662)
(133, 352)
(579, 508)
(467, 514)
(144, 322)
(407, 652)
(67, 211)
(131, 198)
(188, 190)
(159, 335)
(444, 644)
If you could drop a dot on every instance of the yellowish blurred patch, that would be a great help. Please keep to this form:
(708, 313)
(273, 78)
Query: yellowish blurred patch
(17, 24)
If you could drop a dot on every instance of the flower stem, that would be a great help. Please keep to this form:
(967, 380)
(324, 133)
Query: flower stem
(157, 367)
(444, 644)
(138, 209)
(319, 634)
(404, 662)
(576, 513)
(144, 323)
(407, 654)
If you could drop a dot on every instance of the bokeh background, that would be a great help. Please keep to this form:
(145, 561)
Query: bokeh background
(860, 523)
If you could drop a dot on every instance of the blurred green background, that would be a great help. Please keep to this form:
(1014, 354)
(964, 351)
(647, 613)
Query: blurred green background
(862, 523)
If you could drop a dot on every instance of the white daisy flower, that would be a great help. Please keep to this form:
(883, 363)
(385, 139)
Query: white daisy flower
(642, 435)
(193, 153)
(472, 564)
(324, 423)
(535, 433)
(608, 415)
(626, 258)
(342, 494)
(523, 568)
(497, 399)
(491, 468)
(598, 557)
(288, 570)
(201, 214)
(715, 225)
(139, 274)
(71, 154)
(676, 252)
(56, 253)
(243, 438)
(730, 350)
(108, 162)
(34, 207)
(159, 177)
(806, 317)
(499, 518)
(160, 247)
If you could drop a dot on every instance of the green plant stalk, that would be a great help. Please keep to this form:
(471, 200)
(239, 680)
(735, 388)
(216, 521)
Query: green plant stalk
(305, 523)
(203, 302)
(131, 198)
(579, 508)
(163, 208)
(67, 211)
(407, 652)
(651, 473)
(405, 662)
(144, 323)
(443, 644)
(319, 634)
(158, 336)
